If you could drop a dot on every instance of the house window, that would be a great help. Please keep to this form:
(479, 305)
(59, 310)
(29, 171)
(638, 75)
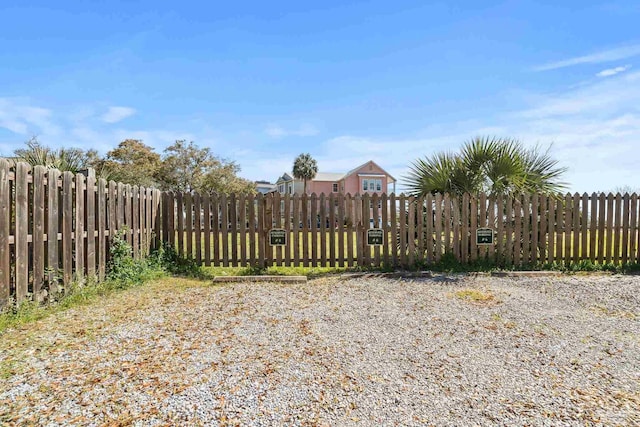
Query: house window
(281, 188)
(290, 189)
(335, 187)
(372, 184)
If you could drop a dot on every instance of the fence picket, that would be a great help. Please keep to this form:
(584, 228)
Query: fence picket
(261, 257)
(53, 222)
(22, 231)
(197, 227)
(386, 231)
(38, 231)
(224, 227)
(188, 225)
(135, 219)
(351, 226)
(437, 226)
(180, 219)
(206, 228)
(601, 227)
(411, 246)
(593, 227)
(542, 240)
(296, 225)
(517, 231)
(509, 252)
(217, 240)
(314, 230)
(633, 230)
(101, 248)
(394, 229)
(535, 229)
(429, 239)
(403, 230)
(420, 249)
(609, 229)
(526, 229)
(617, 226)
(625, 229)
(323, 230)
(332, 230)
(341, 227)
(67, 228)
(584, 227)
(5, 232)
(455, 209)
(447, 222)
(560, 228)
(306, 223)
(464, 229)
(568, 227)
(473, 227)
(90, 226)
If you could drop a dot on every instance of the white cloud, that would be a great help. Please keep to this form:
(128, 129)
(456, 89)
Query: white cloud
(615, 54)
(277, 131)
(613, 71)
(116, 114)
(18, 116)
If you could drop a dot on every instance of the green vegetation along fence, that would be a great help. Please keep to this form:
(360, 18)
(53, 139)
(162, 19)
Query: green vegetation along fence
(56, 227)
(331, 230)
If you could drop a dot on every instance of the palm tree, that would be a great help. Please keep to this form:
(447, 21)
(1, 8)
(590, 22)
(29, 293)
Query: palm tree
(492, 165)
(305, 167)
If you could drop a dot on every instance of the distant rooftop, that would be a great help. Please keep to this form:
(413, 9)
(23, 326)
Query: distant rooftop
(326, 176)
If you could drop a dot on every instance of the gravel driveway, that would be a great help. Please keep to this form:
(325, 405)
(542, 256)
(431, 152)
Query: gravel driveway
(370, 351)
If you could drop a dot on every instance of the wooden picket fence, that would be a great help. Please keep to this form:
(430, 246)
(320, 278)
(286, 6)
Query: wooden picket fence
(331, 230)
(55, 227)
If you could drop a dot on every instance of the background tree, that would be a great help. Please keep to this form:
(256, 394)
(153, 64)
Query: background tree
(63, 159)
(187, 167)
(305, 167)
(492, 165)
(132, 162)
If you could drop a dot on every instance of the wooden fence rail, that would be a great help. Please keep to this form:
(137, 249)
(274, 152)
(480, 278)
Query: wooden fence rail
(331, 230)
(56, 227)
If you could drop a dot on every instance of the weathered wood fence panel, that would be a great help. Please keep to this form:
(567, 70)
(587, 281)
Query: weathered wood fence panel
(332, 230)
(54, 228)
(57, 227)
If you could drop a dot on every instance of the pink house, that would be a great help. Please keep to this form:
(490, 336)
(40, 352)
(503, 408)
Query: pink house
(367, 178)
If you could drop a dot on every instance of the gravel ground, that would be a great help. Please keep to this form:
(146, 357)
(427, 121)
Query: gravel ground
(370, 351)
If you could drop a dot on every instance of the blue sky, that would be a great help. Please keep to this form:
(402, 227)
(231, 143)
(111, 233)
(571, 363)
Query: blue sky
(261, 82)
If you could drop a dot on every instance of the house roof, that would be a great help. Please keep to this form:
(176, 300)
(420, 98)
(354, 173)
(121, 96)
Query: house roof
(354, 170)
(325, 176)
(284, 178)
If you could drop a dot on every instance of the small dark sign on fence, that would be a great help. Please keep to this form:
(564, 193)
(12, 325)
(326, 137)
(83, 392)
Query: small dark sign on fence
(277, 237)
(375, 237)
(484, 236)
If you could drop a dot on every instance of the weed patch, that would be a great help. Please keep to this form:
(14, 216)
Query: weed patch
(476, 296)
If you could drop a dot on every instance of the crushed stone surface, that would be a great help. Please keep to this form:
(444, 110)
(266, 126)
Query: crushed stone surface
(445, 351)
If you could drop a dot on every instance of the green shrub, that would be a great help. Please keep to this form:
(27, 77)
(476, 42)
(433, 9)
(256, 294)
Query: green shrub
(125, 271)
